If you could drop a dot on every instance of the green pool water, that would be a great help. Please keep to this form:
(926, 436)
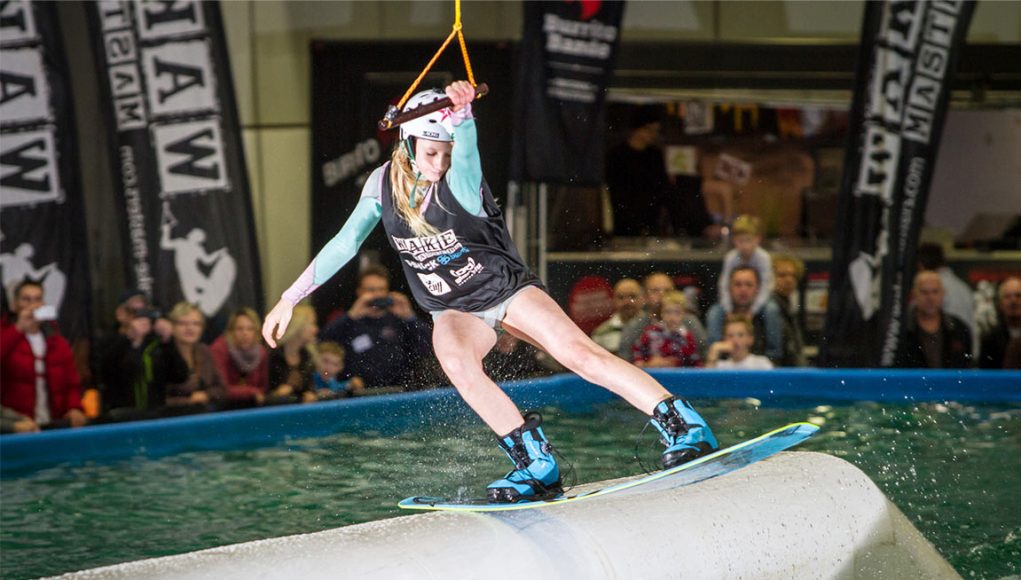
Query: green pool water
(955, 470)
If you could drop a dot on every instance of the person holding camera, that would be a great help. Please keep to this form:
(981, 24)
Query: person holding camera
(38, 378)
(381, 334)
(138, 363)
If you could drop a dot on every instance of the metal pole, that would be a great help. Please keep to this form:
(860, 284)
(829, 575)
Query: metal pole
(543, 230)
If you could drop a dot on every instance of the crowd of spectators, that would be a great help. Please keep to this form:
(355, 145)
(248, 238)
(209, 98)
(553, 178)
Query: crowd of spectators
(755, 323)
(152, 364)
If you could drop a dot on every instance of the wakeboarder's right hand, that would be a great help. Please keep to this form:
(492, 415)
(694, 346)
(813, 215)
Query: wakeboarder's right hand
(276, 322)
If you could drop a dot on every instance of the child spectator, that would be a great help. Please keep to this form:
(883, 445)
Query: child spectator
(668, 343)
(204, 386)
(734, 351)
(242, 359)
(329, 365)
(746, 234)
(292, 365)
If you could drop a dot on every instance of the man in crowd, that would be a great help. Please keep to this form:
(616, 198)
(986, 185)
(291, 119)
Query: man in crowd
(38, 378)
(787, 274)
(627, 305)
(933, 338)
(958, 297)
(994, 342)
(384, 339)
(743, 286)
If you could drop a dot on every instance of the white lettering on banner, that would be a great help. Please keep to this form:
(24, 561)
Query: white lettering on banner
(114, 15)
(902, 27)
(428, 247)
(351, 163)
(124, 77)
(136, 220)
(592, 29)
(892, 340)
(912, 187)
(434, 284)
(891, 74)
(162, 19)
(17, 23)
(179, 78)
(939, 28)
(24, 92)
(922, 106)
(880, 155)
(120, 47)
(932, 61)
(463, 274)
(125, 80)
(190, 157)
(576, 38)
(29, 173)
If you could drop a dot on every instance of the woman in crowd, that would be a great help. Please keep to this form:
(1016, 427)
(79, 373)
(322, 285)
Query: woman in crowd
(204, 386)
(292, 366)
(242, 359)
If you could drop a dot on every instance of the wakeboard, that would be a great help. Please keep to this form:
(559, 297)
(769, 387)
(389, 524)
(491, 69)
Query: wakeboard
(715, 464)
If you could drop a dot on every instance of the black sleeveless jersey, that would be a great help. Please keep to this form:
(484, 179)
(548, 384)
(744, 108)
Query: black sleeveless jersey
(471, 265)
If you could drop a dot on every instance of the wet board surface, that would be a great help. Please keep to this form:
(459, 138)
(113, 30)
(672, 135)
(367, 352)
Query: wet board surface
(715, 464)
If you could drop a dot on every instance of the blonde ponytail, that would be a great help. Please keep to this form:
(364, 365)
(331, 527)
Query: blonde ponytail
(402, 183)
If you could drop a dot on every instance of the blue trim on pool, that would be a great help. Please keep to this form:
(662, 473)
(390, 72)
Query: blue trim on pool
(390, 414)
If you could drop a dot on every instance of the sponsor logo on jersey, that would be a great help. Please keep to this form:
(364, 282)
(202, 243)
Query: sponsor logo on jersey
(448, 258)
(427, 247)
(465, 273)
(434, 284)
(427, 266)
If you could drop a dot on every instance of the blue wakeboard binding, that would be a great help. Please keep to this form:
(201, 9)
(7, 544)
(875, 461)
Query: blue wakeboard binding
(536, 475)
(683, 431)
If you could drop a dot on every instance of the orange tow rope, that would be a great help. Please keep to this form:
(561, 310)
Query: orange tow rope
(464, 52)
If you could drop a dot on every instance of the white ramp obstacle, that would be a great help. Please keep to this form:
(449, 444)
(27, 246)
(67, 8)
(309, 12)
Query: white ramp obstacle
(796, 515)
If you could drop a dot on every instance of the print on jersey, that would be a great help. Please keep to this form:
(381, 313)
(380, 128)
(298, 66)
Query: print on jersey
(462, 275)
(434, 284)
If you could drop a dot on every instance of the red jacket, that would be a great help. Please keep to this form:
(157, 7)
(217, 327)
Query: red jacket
(17, 374)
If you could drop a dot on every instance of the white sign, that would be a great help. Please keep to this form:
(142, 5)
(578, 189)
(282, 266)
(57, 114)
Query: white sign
(24, 92)
(28, 168)
(190, 157)
(179, 77)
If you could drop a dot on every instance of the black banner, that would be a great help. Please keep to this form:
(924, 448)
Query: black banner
(177, 153)
(909, 52)
(567, 54)
(42, 228)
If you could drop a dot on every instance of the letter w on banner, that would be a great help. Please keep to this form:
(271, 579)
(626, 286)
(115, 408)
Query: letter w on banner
(186, 217)
(42, 231)
(909, 51)
(568, 49)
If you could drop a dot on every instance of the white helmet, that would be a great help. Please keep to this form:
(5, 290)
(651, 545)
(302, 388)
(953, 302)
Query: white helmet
(429, 126)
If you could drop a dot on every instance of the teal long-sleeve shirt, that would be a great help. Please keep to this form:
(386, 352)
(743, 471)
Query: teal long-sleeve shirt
(464, 177)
